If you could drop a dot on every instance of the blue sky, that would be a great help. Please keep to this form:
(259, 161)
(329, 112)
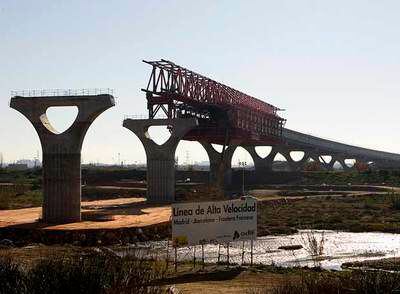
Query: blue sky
(333, 65)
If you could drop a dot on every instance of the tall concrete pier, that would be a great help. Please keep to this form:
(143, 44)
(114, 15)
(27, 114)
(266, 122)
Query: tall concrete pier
(220, 164)
(62, 152)
(160, 158)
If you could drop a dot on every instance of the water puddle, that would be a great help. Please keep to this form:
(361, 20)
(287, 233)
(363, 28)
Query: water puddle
(338, 248)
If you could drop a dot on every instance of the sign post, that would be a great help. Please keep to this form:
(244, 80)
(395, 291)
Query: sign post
(227, 253)
(176, 259)
(242, 252)
(251, 252)
(202, 255)
(243, 164)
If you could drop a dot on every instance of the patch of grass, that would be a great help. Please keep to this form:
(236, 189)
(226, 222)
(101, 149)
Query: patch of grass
(350, 213)
(395, 199)
(5, 200)
(391, 177)
(29, 176)
(19, 189)
(11, 200)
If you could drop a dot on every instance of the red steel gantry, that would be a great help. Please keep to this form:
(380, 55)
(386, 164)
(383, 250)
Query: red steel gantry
(221, 110)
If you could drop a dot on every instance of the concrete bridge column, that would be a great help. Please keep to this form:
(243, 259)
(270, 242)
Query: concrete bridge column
(285, 152)
(261, 165)
(327, 165)
(62, 152)
(160, 158)
(220, 161)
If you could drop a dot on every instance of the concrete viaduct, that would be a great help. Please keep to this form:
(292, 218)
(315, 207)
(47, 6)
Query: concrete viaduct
(160, 159)
(195, 108)
(200, 109)
(319, 150)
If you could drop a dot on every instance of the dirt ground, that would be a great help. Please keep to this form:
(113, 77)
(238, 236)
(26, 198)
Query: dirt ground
(243, 282)
(122, 212)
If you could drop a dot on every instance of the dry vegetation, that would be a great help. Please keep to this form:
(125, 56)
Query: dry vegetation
(69, 269)
(89, 272)
(349, 213)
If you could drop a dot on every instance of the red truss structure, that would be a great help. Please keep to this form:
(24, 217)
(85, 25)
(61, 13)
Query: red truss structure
(224, 114)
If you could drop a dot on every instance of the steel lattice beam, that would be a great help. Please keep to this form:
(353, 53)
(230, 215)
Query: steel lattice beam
(184, 91)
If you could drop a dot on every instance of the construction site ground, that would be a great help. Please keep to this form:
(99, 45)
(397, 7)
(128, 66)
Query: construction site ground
(133, 212)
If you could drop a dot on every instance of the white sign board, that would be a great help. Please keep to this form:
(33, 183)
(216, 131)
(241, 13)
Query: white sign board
(214, 222)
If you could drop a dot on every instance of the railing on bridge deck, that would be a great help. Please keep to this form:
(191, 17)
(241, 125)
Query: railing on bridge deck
(62, 92)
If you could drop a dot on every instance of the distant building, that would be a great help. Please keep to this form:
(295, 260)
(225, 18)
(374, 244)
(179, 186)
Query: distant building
(18, 166)
(30, 163)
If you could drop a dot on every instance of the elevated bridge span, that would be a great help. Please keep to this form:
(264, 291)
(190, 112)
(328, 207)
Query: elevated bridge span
(318, 149)
(326, 153)
(324, 146)
(197, 108)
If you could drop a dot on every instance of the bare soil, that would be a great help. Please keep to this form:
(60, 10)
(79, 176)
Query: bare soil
(122, 212)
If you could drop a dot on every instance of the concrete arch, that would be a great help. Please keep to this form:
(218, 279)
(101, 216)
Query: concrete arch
(261, 165)
(160, 158)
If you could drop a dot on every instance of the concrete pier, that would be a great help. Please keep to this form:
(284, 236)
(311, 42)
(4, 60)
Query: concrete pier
(160, 158)
(62, 152)
(261, 165)
(218, 162)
